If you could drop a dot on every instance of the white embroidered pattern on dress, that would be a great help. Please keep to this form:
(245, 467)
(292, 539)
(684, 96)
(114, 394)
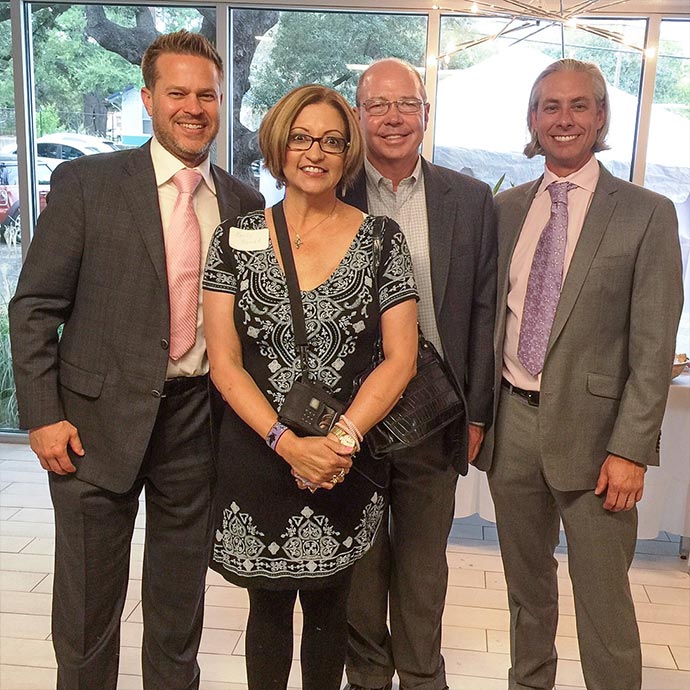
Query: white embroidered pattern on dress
(308, 538)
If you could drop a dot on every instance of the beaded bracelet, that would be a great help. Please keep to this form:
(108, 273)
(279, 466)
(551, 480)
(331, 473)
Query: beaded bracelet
(351, 427)
(274, 434)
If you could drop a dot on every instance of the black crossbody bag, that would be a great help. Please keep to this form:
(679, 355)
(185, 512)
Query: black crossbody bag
(430, 402)
(308, 409)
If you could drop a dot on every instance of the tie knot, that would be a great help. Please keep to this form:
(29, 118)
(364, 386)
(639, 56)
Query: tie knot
(559, 191)
(186, 180)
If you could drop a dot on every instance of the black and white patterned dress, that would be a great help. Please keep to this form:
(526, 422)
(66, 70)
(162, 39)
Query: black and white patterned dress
(268, 533)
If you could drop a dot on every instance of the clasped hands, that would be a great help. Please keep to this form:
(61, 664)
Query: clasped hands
(317, 462)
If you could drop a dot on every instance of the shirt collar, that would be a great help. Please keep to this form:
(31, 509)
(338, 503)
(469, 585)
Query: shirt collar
(374, 177)
(165, 165)
(586, 177)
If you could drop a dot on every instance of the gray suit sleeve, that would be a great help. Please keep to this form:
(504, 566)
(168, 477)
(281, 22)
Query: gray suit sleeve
(44, 299)
(655, 307)
(481, 349)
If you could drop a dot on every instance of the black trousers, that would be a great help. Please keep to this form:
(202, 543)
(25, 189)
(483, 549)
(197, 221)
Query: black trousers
(324, 637)
(93, 531)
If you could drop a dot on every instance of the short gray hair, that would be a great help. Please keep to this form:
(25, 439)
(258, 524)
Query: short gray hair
(601, 97)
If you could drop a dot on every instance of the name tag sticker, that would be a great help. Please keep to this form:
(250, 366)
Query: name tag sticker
(248, 240)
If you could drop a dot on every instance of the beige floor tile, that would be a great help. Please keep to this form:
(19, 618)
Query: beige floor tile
(457, 637)
(130, 633)
(663, 633)
(668, 595)
(24, 500)
(45, 585)
(225, 618)
(217, 641)
(681, 655)
(34, 515)
(570, 673)
(25, 602)
(24, 678)
(18, 581)
(474, 562)
(7, 513)
(17, 528)
(657, 656)
(458, 577)
(41, 546)
(227, 596)
(483, 598)
(23, 652)
(662, 679)
(474, 617)
(483, 664)
(27, 489)
(663, 613)
(474, 683)
(21, 625)
(677, 578)
(23, 476)
(13, 544)
(26, 562)
(223, 668)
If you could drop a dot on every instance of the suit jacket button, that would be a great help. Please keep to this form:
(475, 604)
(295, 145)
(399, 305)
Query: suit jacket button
(156, 393)
(165, 344)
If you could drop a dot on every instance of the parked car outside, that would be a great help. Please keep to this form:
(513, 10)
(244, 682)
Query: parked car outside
(10, 219)
(67, 146)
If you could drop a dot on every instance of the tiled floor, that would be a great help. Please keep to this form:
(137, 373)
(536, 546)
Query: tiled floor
(475, 630)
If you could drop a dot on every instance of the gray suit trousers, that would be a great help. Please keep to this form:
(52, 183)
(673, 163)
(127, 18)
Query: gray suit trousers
(94, 529)
(601, 546)
(405, 570)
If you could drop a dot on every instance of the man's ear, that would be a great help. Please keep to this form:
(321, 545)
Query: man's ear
(147, 100)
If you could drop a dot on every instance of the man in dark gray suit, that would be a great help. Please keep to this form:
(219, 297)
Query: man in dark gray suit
(589, 297)
(119, 401)
(448, 221)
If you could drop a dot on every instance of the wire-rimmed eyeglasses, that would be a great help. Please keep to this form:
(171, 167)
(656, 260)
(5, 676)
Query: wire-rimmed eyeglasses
(327, 143)
(406, 106)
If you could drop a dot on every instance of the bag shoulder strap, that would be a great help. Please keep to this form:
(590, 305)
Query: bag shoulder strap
(296, 307)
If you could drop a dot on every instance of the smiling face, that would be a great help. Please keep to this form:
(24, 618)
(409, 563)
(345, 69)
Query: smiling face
(184, 105)
(313, 171)
(566, 121)
(392, 140)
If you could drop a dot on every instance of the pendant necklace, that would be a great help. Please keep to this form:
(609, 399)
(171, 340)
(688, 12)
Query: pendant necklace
(298, 241)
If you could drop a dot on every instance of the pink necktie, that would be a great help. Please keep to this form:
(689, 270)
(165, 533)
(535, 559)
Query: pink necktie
(544, 282)
(183, 257)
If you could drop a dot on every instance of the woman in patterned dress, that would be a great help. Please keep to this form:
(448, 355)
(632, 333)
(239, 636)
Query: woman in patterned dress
(293, 513)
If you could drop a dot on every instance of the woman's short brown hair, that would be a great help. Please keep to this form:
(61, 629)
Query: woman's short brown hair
(276, 125)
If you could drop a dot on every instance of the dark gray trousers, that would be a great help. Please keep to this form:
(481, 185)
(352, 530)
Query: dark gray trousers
(601, 546)
(92, 549)
(405, 570)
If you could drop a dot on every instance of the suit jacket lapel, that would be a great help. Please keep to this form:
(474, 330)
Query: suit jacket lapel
(515, 214)
(596, 222)
(141, 195)
(229, 205)
(441, 212)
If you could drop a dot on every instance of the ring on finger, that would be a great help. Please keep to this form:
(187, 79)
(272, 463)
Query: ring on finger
(339, 477)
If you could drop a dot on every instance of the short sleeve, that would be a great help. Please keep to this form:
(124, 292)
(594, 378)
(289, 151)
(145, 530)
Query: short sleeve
(395, 277)
(219, 273)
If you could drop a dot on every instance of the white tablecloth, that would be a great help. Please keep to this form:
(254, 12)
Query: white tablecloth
(666, 501)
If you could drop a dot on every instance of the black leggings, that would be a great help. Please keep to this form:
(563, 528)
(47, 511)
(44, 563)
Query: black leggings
(324, 637)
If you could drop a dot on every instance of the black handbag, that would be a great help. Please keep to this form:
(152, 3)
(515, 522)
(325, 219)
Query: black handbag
(308, 409)
(430, 402)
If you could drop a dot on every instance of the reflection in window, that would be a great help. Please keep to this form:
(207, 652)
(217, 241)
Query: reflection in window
(483, 93)
(668, 151)
(300, 47)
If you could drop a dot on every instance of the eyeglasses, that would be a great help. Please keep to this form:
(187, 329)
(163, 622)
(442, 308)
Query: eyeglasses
(406, 106)
(328, 143)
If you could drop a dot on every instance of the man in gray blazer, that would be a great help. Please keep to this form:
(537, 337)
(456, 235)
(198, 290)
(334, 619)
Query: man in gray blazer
(583, 369)
(448, 221)
(110, 406)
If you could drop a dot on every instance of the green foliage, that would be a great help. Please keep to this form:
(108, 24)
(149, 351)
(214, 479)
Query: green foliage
(9, 418)
(47, 119)
(316, 47)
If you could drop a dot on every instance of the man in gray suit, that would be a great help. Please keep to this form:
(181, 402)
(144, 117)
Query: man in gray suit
(119, 401)
(589, 297)
(448, 221)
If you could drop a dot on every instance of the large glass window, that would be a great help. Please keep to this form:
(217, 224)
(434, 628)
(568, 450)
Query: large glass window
(668, 151)
(301, 47)
(486, 70)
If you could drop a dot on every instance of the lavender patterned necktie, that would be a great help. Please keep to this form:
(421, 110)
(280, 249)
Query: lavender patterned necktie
(544, 282)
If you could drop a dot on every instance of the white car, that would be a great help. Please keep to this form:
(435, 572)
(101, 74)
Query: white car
(66, 146)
